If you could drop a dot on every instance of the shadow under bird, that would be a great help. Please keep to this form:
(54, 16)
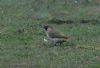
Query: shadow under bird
(55, 36)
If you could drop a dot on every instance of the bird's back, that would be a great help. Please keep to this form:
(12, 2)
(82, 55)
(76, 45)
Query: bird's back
(56, 34)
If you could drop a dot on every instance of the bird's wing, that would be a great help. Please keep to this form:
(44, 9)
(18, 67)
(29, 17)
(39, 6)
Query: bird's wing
(56, 34)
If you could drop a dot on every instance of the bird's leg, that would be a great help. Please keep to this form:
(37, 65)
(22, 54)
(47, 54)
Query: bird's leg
(60, 43)
(55, 44)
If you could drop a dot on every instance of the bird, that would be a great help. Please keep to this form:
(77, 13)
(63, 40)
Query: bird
(55, 36)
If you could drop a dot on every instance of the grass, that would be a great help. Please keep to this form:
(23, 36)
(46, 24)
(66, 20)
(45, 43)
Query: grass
(21, 35)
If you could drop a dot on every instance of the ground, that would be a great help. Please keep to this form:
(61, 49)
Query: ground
(21, 34)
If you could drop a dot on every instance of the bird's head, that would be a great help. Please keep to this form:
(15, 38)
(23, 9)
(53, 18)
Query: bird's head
(46, 27)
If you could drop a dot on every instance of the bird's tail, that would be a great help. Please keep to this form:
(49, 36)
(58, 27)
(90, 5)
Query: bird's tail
(67, 38)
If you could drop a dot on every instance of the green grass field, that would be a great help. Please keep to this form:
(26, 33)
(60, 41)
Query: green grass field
(21, 34)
